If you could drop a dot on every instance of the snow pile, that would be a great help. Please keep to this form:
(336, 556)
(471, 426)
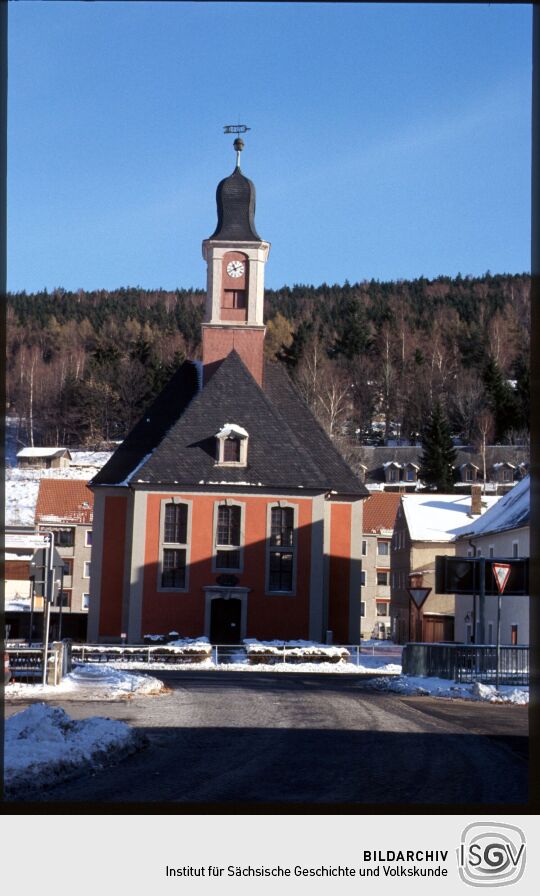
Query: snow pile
(410, 685)
(43, 745)
(91, 682)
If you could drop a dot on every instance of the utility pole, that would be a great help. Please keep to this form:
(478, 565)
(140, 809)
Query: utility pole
(49, 589)
(482, 601)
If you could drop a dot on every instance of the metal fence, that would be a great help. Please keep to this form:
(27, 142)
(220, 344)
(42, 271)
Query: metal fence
(467, 663)
(26, 663)
(229, 654)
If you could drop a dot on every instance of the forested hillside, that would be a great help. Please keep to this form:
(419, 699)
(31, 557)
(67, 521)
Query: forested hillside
(83, 366)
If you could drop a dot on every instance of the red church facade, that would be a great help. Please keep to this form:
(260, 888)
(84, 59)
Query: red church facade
(227, 512)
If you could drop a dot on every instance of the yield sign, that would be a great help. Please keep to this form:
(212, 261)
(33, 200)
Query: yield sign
(419, 595)
(501, 571)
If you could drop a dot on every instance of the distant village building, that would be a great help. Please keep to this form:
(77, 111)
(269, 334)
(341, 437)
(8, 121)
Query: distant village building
(19, 549)
(425, 527)
(227, 511)
(502, 532)
(45, 458)
(396, 467)
(380, 511)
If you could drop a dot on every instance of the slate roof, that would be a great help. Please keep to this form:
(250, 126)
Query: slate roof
(235, 198)
(287, 448)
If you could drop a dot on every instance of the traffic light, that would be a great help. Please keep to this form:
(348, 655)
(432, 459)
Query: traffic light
(461, 575)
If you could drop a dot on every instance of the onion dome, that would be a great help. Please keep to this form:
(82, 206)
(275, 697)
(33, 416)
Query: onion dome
(235, 198)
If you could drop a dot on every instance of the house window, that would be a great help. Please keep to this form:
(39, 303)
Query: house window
(410, 476)
(515, 549)
(364, 548)
(382, 548)
(513, 634)
(174, 536)
(382, 608)
(85, 600)
(491, 550)
(64, 538)
(382, 578)
(282, 549)
(468, 474)
(67, 569)
(88, 537)
(363, 577)
(362, 608)
(392, 475)
(86, 571)
(63, 599)
(228, 536)
(506, 474)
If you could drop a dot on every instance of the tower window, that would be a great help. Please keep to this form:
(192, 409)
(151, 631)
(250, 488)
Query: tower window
(234, 298)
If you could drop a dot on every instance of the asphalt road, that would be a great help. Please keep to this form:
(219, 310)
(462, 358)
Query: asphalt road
(297, 739)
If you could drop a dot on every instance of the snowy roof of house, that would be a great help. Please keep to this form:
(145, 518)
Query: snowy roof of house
(511, 512)
(438, 517)
(64, 501)
(174, 442)
(43, 452)
(380, 511)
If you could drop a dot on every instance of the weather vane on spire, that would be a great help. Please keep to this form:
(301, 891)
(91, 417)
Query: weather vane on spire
(238, 143)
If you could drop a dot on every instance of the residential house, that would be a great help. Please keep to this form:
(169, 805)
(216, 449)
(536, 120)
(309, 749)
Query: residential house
(502, 532)
(227, 511)
(65, 507)
(425, 528)
(380, 511)
(45, 458)
(19, 549)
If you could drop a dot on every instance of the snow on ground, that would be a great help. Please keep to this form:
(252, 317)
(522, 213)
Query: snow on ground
(91, 682)
(442, 687)
(43, 745)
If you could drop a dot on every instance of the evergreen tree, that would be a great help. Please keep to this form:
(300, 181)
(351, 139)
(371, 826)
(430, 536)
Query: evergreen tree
(438, 455)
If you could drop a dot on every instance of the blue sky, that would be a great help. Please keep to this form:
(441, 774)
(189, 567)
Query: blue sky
(387, 141)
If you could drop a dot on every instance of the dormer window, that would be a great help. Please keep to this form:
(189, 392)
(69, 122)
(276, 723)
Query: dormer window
(232, 444)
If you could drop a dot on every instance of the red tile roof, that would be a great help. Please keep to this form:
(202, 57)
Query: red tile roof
(64, 501)
(380, 511)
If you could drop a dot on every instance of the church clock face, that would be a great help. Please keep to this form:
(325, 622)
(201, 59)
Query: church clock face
(235, 269)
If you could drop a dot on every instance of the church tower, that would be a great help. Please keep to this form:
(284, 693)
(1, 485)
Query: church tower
(235, 256)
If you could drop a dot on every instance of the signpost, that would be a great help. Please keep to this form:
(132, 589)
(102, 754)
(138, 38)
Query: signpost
(501, 571)
(418, 596)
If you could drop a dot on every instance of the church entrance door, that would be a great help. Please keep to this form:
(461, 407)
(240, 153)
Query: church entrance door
(225, 620)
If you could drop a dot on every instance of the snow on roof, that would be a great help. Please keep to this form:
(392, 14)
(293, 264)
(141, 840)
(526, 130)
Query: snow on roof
(43, 452)
(504, 463)
(437, 517)
(22, 486)
(391, 463)
(510, 512)
(232, 429)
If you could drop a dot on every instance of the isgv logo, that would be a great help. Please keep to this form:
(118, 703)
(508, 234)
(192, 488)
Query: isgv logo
(491, 854)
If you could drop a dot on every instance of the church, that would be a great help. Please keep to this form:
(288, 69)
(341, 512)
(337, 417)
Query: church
(227, 511)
